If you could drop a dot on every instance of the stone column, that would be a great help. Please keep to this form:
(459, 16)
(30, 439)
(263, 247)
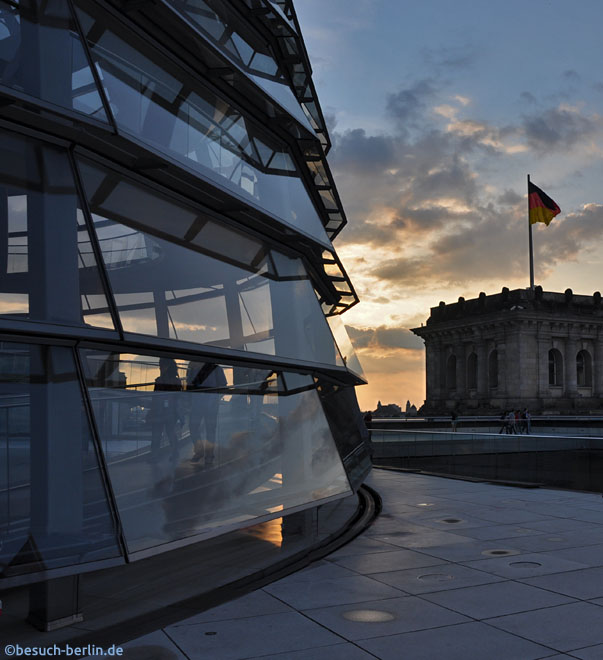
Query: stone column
(432, 369)
(598, 365)
(544, 345)
(482, 368)
(461, 370)
(569, 367)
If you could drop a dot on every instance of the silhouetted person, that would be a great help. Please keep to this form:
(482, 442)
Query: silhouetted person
(204, 407)
(164, 407)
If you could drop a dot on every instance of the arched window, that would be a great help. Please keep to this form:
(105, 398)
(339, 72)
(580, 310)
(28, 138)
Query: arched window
(584, 369)
(472, 371)
(451, 372)
(493, 369)
(555, 367)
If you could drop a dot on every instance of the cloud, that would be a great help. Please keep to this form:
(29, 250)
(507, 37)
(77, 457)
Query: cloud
(450, 58)
(558, 128)
(383, 338)
(408, 104)
(571, 76)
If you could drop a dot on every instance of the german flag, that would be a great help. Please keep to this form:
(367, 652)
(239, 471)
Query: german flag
(542, 207)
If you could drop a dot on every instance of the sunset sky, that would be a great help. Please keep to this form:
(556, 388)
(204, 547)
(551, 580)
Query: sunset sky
(437, 111)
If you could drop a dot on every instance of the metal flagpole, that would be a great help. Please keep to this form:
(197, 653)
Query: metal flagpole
(531, 243)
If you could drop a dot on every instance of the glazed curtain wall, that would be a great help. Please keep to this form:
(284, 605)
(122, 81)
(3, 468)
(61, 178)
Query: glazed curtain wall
(173, 449)
(54, 508)
(41, 54)
(194, 447)
(231, 290)
(226, 289)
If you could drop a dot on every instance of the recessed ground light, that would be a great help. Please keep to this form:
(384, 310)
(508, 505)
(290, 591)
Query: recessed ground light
(555, 538)
(435, 577)
(450, 520)
(498, 553)
(425, 504)
(211, 633)
(368, 616)
(524, 564)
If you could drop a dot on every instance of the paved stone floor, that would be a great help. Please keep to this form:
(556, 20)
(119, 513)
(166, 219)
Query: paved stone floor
(450, 570)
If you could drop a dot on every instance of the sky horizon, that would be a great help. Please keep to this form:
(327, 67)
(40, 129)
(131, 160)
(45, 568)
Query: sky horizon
(437, 113)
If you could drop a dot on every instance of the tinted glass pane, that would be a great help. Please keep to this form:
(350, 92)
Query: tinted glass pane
(41, 55)
(47, 268)
(349, 430)
(230, 290)
(198, 128)
(193, 448)
(251, 52)
(345, 345)
(53, 505)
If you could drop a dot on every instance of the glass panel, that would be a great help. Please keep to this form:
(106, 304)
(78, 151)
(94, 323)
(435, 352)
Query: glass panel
(193, 447)
(41, 54)
(198, 128)
(349, 430)
(48, 271)
(249, 49)
(230, 290)
(283, 95)
(53, 506)
(344, 344)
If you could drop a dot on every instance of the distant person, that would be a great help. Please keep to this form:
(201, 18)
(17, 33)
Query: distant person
(523, 427)
(163, 415)
(503, 422)
(528, 421)
(511, 429)
(453, 420)
(204, 408)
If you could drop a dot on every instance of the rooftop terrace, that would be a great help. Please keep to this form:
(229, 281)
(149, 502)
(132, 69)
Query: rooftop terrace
(451, 569)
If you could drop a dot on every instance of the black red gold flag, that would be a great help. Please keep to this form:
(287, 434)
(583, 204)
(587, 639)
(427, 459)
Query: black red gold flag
(542, 207)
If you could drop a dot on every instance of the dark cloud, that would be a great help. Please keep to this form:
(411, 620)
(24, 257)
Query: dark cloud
(358, 152)
(568, 238)
(330, 121)
(383, 337)
(509, 198)
(528, 97)
(450, 58)
(557, 129)
(571, 76)
(409, 104)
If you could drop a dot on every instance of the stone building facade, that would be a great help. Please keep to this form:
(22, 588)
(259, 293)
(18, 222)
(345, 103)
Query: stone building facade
(517, 348)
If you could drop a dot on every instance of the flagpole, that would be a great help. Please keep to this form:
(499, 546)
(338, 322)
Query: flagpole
(531, 243)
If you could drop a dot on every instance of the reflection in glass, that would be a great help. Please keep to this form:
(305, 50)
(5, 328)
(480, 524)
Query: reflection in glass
(48, 271)
(229, 291)
(349, 430)
(198, 128)
(218, 23)
(41, 55)
(345, 346)
(243, 449)
(53, 505)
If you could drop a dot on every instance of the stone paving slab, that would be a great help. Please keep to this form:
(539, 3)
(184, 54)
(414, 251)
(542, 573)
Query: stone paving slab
(474, 641)
(251, 636)
(435, 578)
(525, 565)
(586, 584)
(384, 617)
(563, 628)
(498, 599)
(336, 652)
(387, 561)
(303, 595)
